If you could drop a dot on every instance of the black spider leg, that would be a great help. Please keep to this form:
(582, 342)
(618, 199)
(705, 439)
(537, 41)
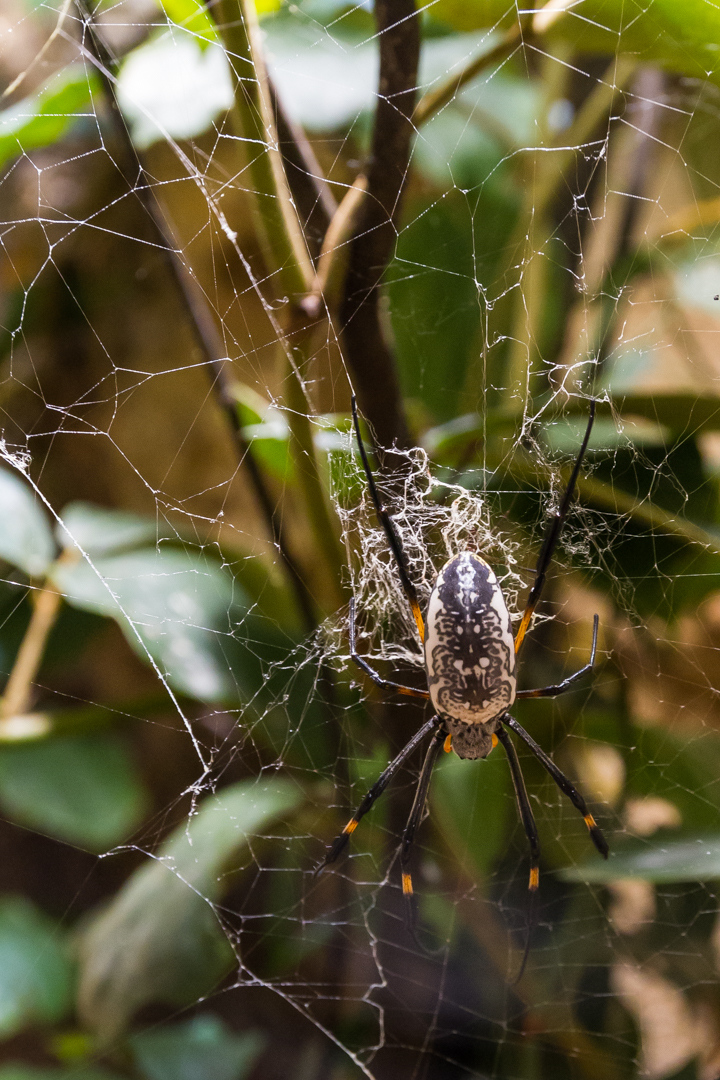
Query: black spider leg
(562, 782)
(385, 684)
(528, 821)
(560, 688)
(552, 536)
(416, 814)
(376, 791)
(389, 529)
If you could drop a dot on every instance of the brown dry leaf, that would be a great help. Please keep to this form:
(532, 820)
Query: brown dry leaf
(672, 1032)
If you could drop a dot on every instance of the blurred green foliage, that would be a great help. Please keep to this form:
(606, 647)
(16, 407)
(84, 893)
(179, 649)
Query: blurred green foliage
(179, 718)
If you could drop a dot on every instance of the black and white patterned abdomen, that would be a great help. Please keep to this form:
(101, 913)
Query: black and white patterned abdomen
(469, 647)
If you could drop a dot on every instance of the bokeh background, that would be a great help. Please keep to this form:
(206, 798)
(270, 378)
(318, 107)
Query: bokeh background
(217, 221)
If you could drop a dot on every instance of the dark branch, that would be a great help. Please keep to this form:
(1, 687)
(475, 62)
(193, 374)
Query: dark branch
(372, 365)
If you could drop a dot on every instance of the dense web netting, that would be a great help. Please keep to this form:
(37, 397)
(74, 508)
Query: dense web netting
(183, 722)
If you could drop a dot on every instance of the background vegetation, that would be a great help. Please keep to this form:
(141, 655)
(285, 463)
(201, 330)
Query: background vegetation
(212, 228)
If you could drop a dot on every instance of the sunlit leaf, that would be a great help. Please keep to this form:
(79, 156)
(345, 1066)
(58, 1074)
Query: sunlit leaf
(159, 940)
(564, 436)
(99, 531)
(36, 975)
(47, 116)
(192, 16)
(170, 86)
(202, 1047)
(26, 539)
(176, 605)
(269, 442)
(683, 36)
(667, 860)
(83, 789)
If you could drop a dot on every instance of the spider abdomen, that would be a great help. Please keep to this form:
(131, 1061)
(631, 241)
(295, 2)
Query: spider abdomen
(469, 652)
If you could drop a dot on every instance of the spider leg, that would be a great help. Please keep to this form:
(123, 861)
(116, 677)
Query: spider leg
(361, 662)
(560, 688)
(552, 536)
(418, 809)
(562, 782)
(528, 821)
(389, 529)
(375, 792)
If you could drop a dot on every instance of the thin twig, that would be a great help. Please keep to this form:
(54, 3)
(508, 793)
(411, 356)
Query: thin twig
(331, 263)
(436, 99)
(315, 202)
(609, 231)
(281, 236)
(548, 168)
(16, 698)
(278, 227)
(18, 81)
(327, 281)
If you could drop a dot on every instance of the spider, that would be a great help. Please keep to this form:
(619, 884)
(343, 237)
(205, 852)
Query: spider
(470, 661)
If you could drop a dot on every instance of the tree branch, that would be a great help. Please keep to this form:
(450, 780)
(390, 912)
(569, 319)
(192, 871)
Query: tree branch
(372, 365)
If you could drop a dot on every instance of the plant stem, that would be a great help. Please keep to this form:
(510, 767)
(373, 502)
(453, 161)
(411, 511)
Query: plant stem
(311, 192)
(609, 231)
(285, 250)
(548, 167)
(279, 229)
(16, 698)
(442, 95)
(328, 278)
(322, 524)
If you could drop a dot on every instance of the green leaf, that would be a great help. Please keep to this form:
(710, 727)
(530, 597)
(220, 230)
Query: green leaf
(47, 116)
(36, 976)
(269, 443)
(99, 531)
(26, 539)
(83, 789)
(666, 860)
(159, 940)
(563, 436)
(684, 37)
(178, 605)
(433, 297)
(192, 16)
(201, 1049)
(472, 14)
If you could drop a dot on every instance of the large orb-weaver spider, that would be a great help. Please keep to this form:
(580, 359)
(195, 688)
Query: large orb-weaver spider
(470, 659)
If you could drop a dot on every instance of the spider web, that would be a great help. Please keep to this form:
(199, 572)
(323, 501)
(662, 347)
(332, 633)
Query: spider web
(557, 241)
